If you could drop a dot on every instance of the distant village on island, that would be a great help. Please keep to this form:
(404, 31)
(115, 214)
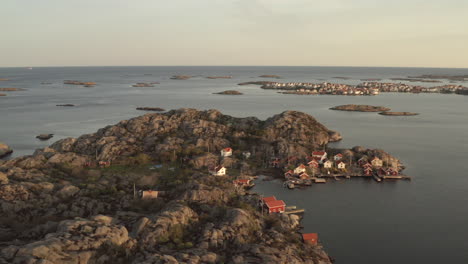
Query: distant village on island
(365, 88)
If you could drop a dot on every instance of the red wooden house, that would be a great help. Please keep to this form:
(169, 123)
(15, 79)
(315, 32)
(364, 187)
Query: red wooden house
(276, 206)
(310, 238)
(242, 182)
(268, 199)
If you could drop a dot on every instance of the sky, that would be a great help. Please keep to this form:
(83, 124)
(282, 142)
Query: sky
(397, 33)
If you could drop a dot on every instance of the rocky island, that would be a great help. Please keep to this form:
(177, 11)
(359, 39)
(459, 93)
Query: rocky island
(230, 92)
(85, 84)
(45, 136)
(2, 94)
(142, 84)
(66, 105)
(256, 83)
(11, 89)
(4, 79)
(270, 76)
(156, 109)
(398, 114)
(219, 77)
(100, 198)
(360, 108)
(181, 77)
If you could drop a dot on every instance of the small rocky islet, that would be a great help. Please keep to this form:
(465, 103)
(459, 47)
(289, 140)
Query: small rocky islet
(181, 77)
(44, 136)
(154, 109)
(230, 92)
(83, 83)
(84, 198)
(270, 76)
(360, 108)
(11, 89)
(219, 77)
(398, 113)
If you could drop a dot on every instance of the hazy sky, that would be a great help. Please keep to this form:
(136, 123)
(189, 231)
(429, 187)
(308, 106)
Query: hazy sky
(420, 33)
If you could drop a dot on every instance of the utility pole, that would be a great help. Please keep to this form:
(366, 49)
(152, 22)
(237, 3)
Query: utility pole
(134, 191)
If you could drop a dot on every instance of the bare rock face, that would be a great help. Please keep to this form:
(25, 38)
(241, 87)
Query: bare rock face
(5, 150)
(167, 135)
(74, 241)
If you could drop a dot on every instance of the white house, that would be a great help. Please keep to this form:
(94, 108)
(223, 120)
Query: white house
(327, 164)
(246, 154)
(226, 152)
(341, 165)
(218, 171)
(300, 169)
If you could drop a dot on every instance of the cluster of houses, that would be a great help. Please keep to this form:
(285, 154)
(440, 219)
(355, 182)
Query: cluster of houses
(365, 88)
(320, 164)
(375, 165)
(318, 160)
(322, 88)
(279, 206)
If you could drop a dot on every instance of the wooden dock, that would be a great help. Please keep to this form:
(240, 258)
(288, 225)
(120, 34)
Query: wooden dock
(396, 177)
(296, 211)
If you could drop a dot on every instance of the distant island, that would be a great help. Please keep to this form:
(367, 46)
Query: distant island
(256, 83)
(11, 89)
(2, 94)
(365, 88)
(74, 82)
(4, 79)
(441, 76)
(219, 77)
(360, 108)
(142, 84)
(157, 109)
(398, 113)
(230, 92)
(270, 76)
(66, 105)
(181, 77)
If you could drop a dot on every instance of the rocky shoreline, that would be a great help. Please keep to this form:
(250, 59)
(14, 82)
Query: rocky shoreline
(75, 200)
(5, 150)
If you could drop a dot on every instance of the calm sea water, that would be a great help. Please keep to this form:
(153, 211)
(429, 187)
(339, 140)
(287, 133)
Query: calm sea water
(358, 221)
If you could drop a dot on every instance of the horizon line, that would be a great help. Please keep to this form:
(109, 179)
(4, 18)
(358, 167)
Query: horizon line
(325, 66)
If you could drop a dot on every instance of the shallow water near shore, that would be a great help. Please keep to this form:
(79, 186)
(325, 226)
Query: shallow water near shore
(358, 221)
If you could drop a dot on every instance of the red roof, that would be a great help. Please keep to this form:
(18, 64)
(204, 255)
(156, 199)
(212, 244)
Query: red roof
(268, 199)
(339, 155)
(227, 149)
(310, 237)
(245, 181)
(276, 203)
(318, 153)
